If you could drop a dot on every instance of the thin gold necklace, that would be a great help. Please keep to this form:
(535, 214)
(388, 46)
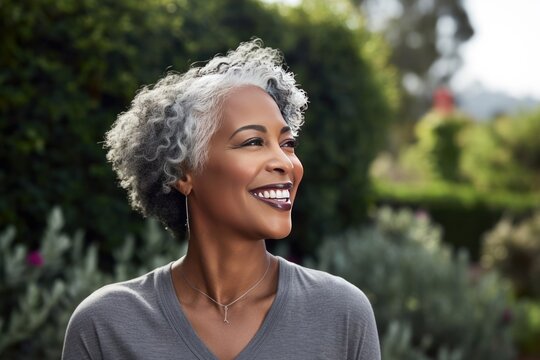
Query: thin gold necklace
(227, 306)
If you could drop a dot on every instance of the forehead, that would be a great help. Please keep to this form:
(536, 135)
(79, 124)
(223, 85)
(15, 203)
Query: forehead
(250, 105)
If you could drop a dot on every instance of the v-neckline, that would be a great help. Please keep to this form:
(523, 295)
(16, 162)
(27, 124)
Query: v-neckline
(180, 323)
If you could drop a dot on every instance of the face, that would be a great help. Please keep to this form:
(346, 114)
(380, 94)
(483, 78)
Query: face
(248, 184)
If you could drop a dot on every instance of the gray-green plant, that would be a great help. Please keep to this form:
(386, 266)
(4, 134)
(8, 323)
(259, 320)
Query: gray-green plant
(40, 289)
(425, 298)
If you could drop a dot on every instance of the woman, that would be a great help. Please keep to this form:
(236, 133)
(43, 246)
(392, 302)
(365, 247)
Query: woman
(213, 149)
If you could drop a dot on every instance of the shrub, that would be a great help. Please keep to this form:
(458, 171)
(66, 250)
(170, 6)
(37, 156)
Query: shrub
(41, 288)
(438, 140)
(437, 152)
(514, 251)
(504, 153)
(413, 280)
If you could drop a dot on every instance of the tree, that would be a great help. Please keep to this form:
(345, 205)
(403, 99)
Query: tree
(425, 37)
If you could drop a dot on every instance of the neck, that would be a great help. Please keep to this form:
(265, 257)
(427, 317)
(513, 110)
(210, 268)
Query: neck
(223, 268)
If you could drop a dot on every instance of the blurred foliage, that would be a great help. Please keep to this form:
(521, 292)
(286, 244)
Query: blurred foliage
(514, 250)
(425, 37)
(467, 175)
(527, 328)
(40, 289)
(438, 147)
(68, 68)
(464, 212)
(425, 300)
(504, 153)
(435, 155)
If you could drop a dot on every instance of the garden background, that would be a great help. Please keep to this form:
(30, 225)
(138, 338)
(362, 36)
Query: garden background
(435, 215)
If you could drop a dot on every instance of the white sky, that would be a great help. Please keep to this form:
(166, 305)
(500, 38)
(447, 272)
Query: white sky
(504, 53)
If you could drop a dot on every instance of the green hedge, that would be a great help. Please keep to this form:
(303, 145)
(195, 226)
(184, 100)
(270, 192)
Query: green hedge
(464, 213)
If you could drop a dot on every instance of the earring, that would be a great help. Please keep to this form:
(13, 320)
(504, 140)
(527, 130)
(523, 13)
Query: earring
(187, 215)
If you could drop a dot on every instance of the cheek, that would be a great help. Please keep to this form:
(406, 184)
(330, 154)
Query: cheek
(298, 169)
(298, 173)
(229, 174)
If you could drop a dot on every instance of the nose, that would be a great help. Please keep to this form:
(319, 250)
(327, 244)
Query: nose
(279, 161)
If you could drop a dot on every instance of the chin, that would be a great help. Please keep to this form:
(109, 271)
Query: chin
(278, 236)
(278, 232)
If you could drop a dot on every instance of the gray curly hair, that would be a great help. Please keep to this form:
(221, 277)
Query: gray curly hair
(169, 125)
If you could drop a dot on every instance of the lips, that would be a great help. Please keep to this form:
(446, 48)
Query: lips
(275, 195)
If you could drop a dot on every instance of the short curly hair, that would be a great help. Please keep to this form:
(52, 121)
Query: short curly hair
(169, 125)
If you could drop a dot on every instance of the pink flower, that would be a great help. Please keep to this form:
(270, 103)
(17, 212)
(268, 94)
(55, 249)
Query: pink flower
(421, 215)
(34, 258)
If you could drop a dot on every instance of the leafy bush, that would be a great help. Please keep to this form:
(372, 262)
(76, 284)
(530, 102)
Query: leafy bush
(504, 154)
(438, 143)
(40, 289)
(67, 68)
(435, 156)
(514, 251)
(421, 294)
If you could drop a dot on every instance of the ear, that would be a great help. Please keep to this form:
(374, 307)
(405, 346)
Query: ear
(184, 184)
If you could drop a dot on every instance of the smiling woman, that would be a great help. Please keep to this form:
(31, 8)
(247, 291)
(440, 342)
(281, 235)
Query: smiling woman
(213, 149)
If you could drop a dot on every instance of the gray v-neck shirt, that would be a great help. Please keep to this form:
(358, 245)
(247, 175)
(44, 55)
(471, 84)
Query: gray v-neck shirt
(314, 315)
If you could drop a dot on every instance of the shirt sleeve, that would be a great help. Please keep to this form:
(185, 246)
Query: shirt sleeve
(81, 341)
(369, 348)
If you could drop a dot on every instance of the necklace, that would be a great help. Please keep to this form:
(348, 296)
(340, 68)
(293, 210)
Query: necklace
(227, 306)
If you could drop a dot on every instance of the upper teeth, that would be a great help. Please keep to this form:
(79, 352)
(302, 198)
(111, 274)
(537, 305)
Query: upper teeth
(274, 194)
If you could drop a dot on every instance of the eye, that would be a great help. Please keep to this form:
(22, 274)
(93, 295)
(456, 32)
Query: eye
(290, 143)
(253, 142)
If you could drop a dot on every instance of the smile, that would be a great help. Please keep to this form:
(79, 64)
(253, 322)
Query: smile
(276, 195)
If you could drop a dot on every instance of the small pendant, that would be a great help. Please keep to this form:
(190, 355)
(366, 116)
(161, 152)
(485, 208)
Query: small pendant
(225, 320)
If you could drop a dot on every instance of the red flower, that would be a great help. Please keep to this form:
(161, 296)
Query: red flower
(34, 258)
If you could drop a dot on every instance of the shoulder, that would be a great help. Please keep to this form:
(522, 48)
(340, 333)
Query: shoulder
(107, 312)
(326, 305)
(115, 300)
(327, 289)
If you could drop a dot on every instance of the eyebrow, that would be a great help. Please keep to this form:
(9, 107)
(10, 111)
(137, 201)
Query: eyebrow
(258, 128)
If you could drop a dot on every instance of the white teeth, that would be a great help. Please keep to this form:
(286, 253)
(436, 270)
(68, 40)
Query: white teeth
(274, 194)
